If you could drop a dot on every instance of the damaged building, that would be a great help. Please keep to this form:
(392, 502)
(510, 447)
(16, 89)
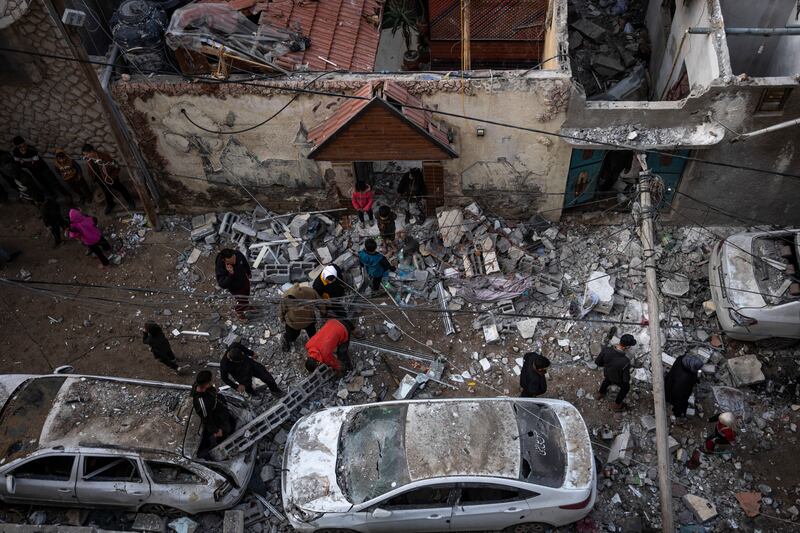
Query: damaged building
(294, 101)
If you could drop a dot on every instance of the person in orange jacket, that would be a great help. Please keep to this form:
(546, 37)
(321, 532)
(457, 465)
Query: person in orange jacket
(329, 346)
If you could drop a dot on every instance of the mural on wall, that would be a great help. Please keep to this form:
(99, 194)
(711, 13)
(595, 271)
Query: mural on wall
(227, 159)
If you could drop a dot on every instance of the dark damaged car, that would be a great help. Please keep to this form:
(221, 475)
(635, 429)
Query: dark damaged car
(439, 465)
(91, 441)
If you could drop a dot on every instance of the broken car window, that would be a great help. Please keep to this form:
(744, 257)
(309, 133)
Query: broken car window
(56, 467)
(541, 444)
(110, 469)
(372, 460)
(167, 473)
(437, 496)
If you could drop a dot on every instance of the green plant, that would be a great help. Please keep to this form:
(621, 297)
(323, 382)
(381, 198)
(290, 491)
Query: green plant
(398, 16)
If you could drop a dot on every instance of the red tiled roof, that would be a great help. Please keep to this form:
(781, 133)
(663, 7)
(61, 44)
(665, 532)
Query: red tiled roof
(502, 20)
(389, 92)
(343, 32)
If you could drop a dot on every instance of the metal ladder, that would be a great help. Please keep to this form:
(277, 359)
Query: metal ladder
(268, 421)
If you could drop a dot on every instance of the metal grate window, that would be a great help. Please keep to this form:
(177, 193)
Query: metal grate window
(773, 100)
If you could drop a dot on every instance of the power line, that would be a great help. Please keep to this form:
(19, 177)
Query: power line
(438, 112)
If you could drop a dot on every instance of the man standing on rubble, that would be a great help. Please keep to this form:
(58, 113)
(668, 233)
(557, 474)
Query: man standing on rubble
(210, 406)
(105, 171)
(233, 274)
(330, 346)
(680, 381)
(329, 286)
(238, 367)
(533, 378)
(616, 370)
(27, 157)
(297, 313)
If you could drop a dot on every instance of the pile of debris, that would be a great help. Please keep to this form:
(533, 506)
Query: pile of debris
(609, 48)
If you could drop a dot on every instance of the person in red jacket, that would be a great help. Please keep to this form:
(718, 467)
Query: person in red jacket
(362, 199)
(329, 346)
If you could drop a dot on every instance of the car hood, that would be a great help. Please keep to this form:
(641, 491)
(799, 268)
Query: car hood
(310, 463)
(739, 277)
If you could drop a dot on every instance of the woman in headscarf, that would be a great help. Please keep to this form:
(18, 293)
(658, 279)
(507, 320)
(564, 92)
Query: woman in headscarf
(533, 378)
(680, 381)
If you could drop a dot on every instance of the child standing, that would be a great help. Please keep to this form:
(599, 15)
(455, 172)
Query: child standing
(375, 263)
(387, 227)
(85, 229)
(362, 199)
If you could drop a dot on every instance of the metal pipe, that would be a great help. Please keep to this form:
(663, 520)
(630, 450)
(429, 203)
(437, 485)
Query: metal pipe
(776, 127)
(109, 69)
(766, 32)
(391, 351)
(447, 319)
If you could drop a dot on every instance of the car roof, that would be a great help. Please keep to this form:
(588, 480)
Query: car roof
(469, 438)
(89, 411)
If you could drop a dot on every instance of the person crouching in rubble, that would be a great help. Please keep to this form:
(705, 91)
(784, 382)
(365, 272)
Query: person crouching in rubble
(533, 378)
(680, 381)
(330, 346)
(210, 406)
(233, 274)
(238, 367)
(616, 370)
(724, 432)
(329, 286)
(375, 263)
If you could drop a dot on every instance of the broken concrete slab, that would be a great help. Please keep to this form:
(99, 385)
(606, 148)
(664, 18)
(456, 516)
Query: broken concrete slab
(149, 522)
(622, 448)
(485, 364)
(648, 423)
(527, 327)
(233, 521)
(676, 286)
(202, 232)
(194, 256)
(702, 509)
(745, 370)
(408, 386)
(599, 284)
(490, 333)
(589, 29)
(298, 226)
(451, 226)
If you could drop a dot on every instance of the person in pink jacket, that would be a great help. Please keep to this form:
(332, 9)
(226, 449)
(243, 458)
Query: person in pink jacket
(362, 199)
(84, 228)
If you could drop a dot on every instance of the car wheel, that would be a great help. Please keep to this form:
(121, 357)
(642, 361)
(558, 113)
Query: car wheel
(162, 510)
(531, 527)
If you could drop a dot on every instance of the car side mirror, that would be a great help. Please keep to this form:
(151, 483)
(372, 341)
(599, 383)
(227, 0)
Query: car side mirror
(11, 484)
(381, 513)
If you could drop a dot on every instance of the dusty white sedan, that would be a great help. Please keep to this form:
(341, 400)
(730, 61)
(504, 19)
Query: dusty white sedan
(754, 285)
(517, 465)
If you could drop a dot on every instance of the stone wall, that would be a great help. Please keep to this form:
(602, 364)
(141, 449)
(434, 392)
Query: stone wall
(47, 101)
(201, 169)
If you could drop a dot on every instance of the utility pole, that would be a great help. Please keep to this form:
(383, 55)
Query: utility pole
(653, 309)
(117, 127)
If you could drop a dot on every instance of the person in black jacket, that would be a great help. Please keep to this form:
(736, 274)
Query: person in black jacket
(330, 287)
(533, 378)
(28, 158)
(54, 219)
(210, 406)
(233, 274)
(238, 367)
(616, 370)
(680, 381)
(154, 337)
(412, 189)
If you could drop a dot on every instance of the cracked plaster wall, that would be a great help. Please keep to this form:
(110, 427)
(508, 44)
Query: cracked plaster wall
(47, 101)
(202, 167)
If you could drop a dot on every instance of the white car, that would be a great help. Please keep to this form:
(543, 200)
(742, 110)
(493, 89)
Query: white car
(88, 441)
(754, 278)
(512, 464)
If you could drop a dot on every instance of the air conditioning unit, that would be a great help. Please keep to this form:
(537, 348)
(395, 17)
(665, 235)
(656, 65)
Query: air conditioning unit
(73, 17)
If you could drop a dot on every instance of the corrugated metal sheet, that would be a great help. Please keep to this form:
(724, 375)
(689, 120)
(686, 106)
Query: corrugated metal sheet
(503, 20)
(392, 93)
(344, 34)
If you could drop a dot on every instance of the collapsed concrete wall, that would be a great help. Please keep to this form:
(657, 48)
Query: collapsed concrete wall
(47, 101)
(201, 169)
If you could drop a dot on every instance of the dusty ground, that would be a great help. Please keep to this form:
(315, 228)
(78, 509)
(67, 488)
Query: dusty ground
(97, 330)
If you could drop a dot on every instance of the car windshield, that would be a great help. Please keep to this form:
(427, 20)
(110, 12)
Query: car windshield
(774, 273)
(372, 458)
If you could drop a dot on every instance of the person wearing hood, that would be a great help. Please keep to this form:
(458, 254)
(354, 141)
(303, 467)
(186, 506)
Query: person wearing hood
(724, 433)
(72, 175)
(28, 158)
(238, 367)
(211, 407)
(616, 370)
(329, 346)
(533, 378)
(84, 228)
(233, 273)
(329, 286)
(680, 381)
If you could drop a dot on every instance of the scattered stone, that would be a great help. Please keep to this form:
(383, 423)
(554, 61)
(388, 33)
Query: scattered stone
(527, 327)
(485, 364)
(183, 524)
(599, 287)
(764, 489)
(745, 370)
(490, 333)
(148, 522)
(702, 509)
(194, 256)
(621, 448)
(267, 473)
(676, 286)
